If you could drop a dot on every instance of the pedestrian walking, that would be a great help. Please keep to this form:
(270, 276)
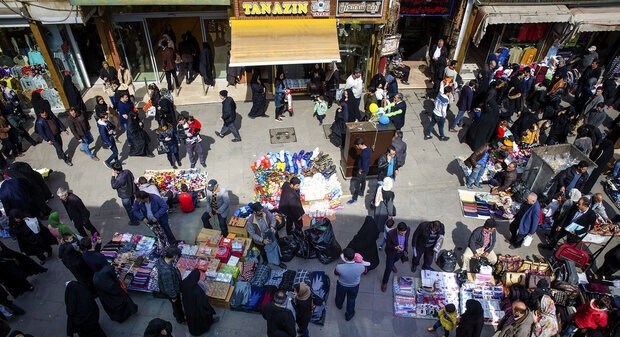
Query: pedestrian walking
(9, 148)
(114, 299)
(384, 204)
(259, 100)
(525, 221)
(303, 307)
(320, 108)
(107, 130)
(16, 268)
(50, 128)
(168, 65)
(82, 311)
(199, 313)
(77, 212)
(396, 249)
(348, 283)
(92, 254)
(217, 203)
(229, 115)
(169, 281)
(123, 182)
(439, 114)
(463, 104)
(33, 238)
(191, 131)
(472, 320)
(73, 260)
(363, 165)
(153, 211)
(169, 144)
(446, 320)
(280, 320)
(278, 97)
(78, 123)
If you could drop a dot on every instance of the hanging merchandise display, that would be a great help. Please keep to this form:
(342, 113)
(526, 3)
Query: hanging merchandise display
(423, 298)
(320, 189)
(171, 180)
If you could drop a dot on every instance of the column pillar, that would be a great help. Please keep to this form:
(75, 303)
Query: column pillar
(104, 28)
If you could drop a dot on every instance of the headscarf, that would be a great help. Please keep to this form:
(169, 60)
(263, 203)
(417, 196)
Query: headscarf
(54, 221)
(331, 72)
(304, 292)
(547, 325)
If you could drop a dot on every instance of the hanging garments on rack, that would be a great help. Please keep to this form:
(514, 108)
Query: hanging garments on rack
(528, 55)
(515, 55)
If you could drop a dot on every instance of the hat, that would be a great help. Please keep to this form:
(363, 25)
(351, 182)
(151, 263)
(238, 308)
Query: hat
(256, 206)
(388, 183)
(211, 184)
(490, 223)
(61, 191)
(224, 93)
(592, 48)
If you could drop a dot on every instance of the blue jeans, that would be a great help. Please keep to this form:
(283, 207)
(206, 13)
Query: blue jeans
(570, 330)
(114, 149)
(351, 294)
(616, 168)
(457, 120)
(88, 138)
(440, 121)
(475, 176)
(232, 128)
(128, 204)
(438, 325)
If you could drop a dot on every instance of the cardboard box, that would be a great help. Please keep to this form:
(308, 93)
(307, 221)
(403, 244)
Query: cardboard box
(223, 303)
(238, 226)
(480, 278)
(205, 234)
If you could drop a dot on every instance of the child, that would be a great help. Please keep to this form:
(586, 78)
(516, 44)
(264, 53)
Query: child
(188, 200)
(447, 320)
(388, 225)
(529, 137)
(288, 101)
(320, 107)
(590, 316)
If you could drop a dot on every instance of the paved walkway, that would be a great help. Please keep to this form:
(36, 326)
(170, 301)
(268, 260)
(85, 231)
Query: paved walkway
(426, 189)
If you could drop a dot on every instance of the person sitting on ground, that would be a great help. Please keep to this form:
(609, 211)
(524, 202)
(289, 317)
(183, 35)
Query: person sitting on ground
(592, 315)
(503, 180)
(481, 243)
(188, 199)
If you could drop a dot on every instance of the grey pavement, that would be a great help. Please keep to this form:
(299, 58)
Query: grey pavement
(426, 189)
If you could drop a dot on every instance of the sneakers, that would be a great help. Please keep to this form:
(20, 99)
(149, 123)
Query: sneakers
(94, 158)
(351, 201)
(217, 133)
(453, 130)
(236, 140)
(443, 139)
(278, 119)
(107, 164)
(174, 167)
(68, 162)
(404, 82)
(427, 137)
(431, 329)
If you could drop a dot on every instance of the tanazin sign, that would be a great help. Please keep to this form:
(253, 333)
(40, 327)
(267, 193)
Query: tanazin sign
(319, 8)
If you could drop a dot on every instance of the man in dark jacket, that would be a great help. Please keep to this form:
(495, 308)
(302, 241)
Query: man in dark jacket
(578, 222)
(152, 209)
(503, 180)
(229, 114)
(464, 104)
(77, 212)
(396, 248)
(123, 182)
(80, 128)
(290, 204)
(401, 148)
(399, 118)
(363, 165)
(169, 281)
(388, 164)
(424, 240)
(49, 127)
(481, 243)
(525, 221)
(280, 320)
(572, 177)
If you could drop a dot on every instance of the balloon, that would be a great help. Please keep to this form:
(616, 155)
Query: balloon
(384, 120)
(373, 107)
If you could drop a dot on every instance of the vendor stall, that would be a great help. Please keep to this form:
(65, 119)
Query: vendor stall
(171, 180)
(520, 157)
(483, 205)
(423, 298)
(320, 189)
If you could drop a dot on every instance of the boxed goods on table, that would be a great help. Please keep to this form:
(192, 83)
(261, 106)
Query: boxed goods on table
(223, 253)
(209, 236)
(225, 302)
(238, 226)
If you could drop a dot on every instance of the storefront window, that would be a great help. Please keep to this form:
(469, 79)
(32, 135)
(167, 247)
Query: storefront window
(58, 42)
(133, 48)
(218, 36)
(355, 43)
(23, 67)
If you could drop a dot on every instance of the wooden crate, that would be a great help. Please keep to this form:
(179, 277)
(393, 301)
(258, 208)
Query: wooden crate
(238, 226)
(205, 234)
(223, 303)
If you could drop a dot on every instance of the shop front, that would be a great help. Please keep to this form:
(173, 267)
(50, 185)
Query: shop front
(292, 37)
(523, 34)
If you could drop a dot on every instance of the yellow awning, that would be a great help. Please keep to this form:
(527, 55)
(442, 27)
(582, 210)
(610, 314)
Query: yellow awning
(275, 42)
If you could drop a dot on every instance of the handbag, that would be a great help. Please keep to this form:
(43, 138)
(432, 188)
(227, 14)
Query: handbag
(508, 263)
(534, 278)
(162, 148)
(538, 266)
(476, 263)
(574, 252)
(509, 279)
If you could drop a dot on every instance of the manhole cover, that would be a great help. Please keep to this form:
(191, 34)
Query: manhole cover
(283, 135)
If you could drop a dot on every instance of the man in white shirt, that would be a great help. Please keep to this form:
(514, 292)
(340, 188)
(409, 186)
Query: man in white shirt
(356, 84)
(439, 114)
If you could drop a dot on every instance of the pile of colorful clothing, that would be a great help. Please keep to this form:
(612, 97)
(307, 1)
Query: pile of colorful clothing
(172, 180)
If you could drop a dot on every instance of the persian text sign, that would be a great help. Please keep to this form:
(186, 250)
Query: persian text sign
(426, 7)
(359, 9)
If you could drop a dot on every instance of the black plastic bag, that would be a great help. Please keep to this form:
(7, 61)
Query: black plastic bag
(447, 260)
(288, 247)
(476, 263)
(329, 255)
(304, 249)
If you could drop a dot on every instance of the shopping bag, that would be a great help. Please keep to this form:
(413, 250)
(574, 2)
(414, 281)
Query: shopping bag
(509, 279)
(508, 263)
(573, 252)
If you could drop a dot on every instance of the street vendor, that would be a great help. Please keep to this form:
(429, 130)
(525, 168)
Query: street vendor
(481, 243)
(217, 203)
(290, 204)
(262, 229)
(502, 181)
(153, 211)
(572, 177)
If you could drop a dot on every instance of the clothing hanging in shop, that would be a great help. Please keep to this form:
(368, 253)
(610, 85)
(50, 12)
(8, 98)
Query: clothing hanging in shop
(529, 54)
(21, 60)
(531, 32)
(503, 55)
(6, 61)
(516, 53)
(35, 57)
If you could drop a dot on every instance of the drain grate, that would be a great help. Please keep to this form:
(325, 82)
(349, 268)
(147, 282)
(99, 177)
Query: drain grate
(282, 135)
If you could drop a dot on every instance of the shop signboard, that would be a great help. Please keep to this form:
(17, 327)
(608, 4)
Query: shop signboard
(390, 45)
(359, 9)
(283, 9)
(426, 7)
